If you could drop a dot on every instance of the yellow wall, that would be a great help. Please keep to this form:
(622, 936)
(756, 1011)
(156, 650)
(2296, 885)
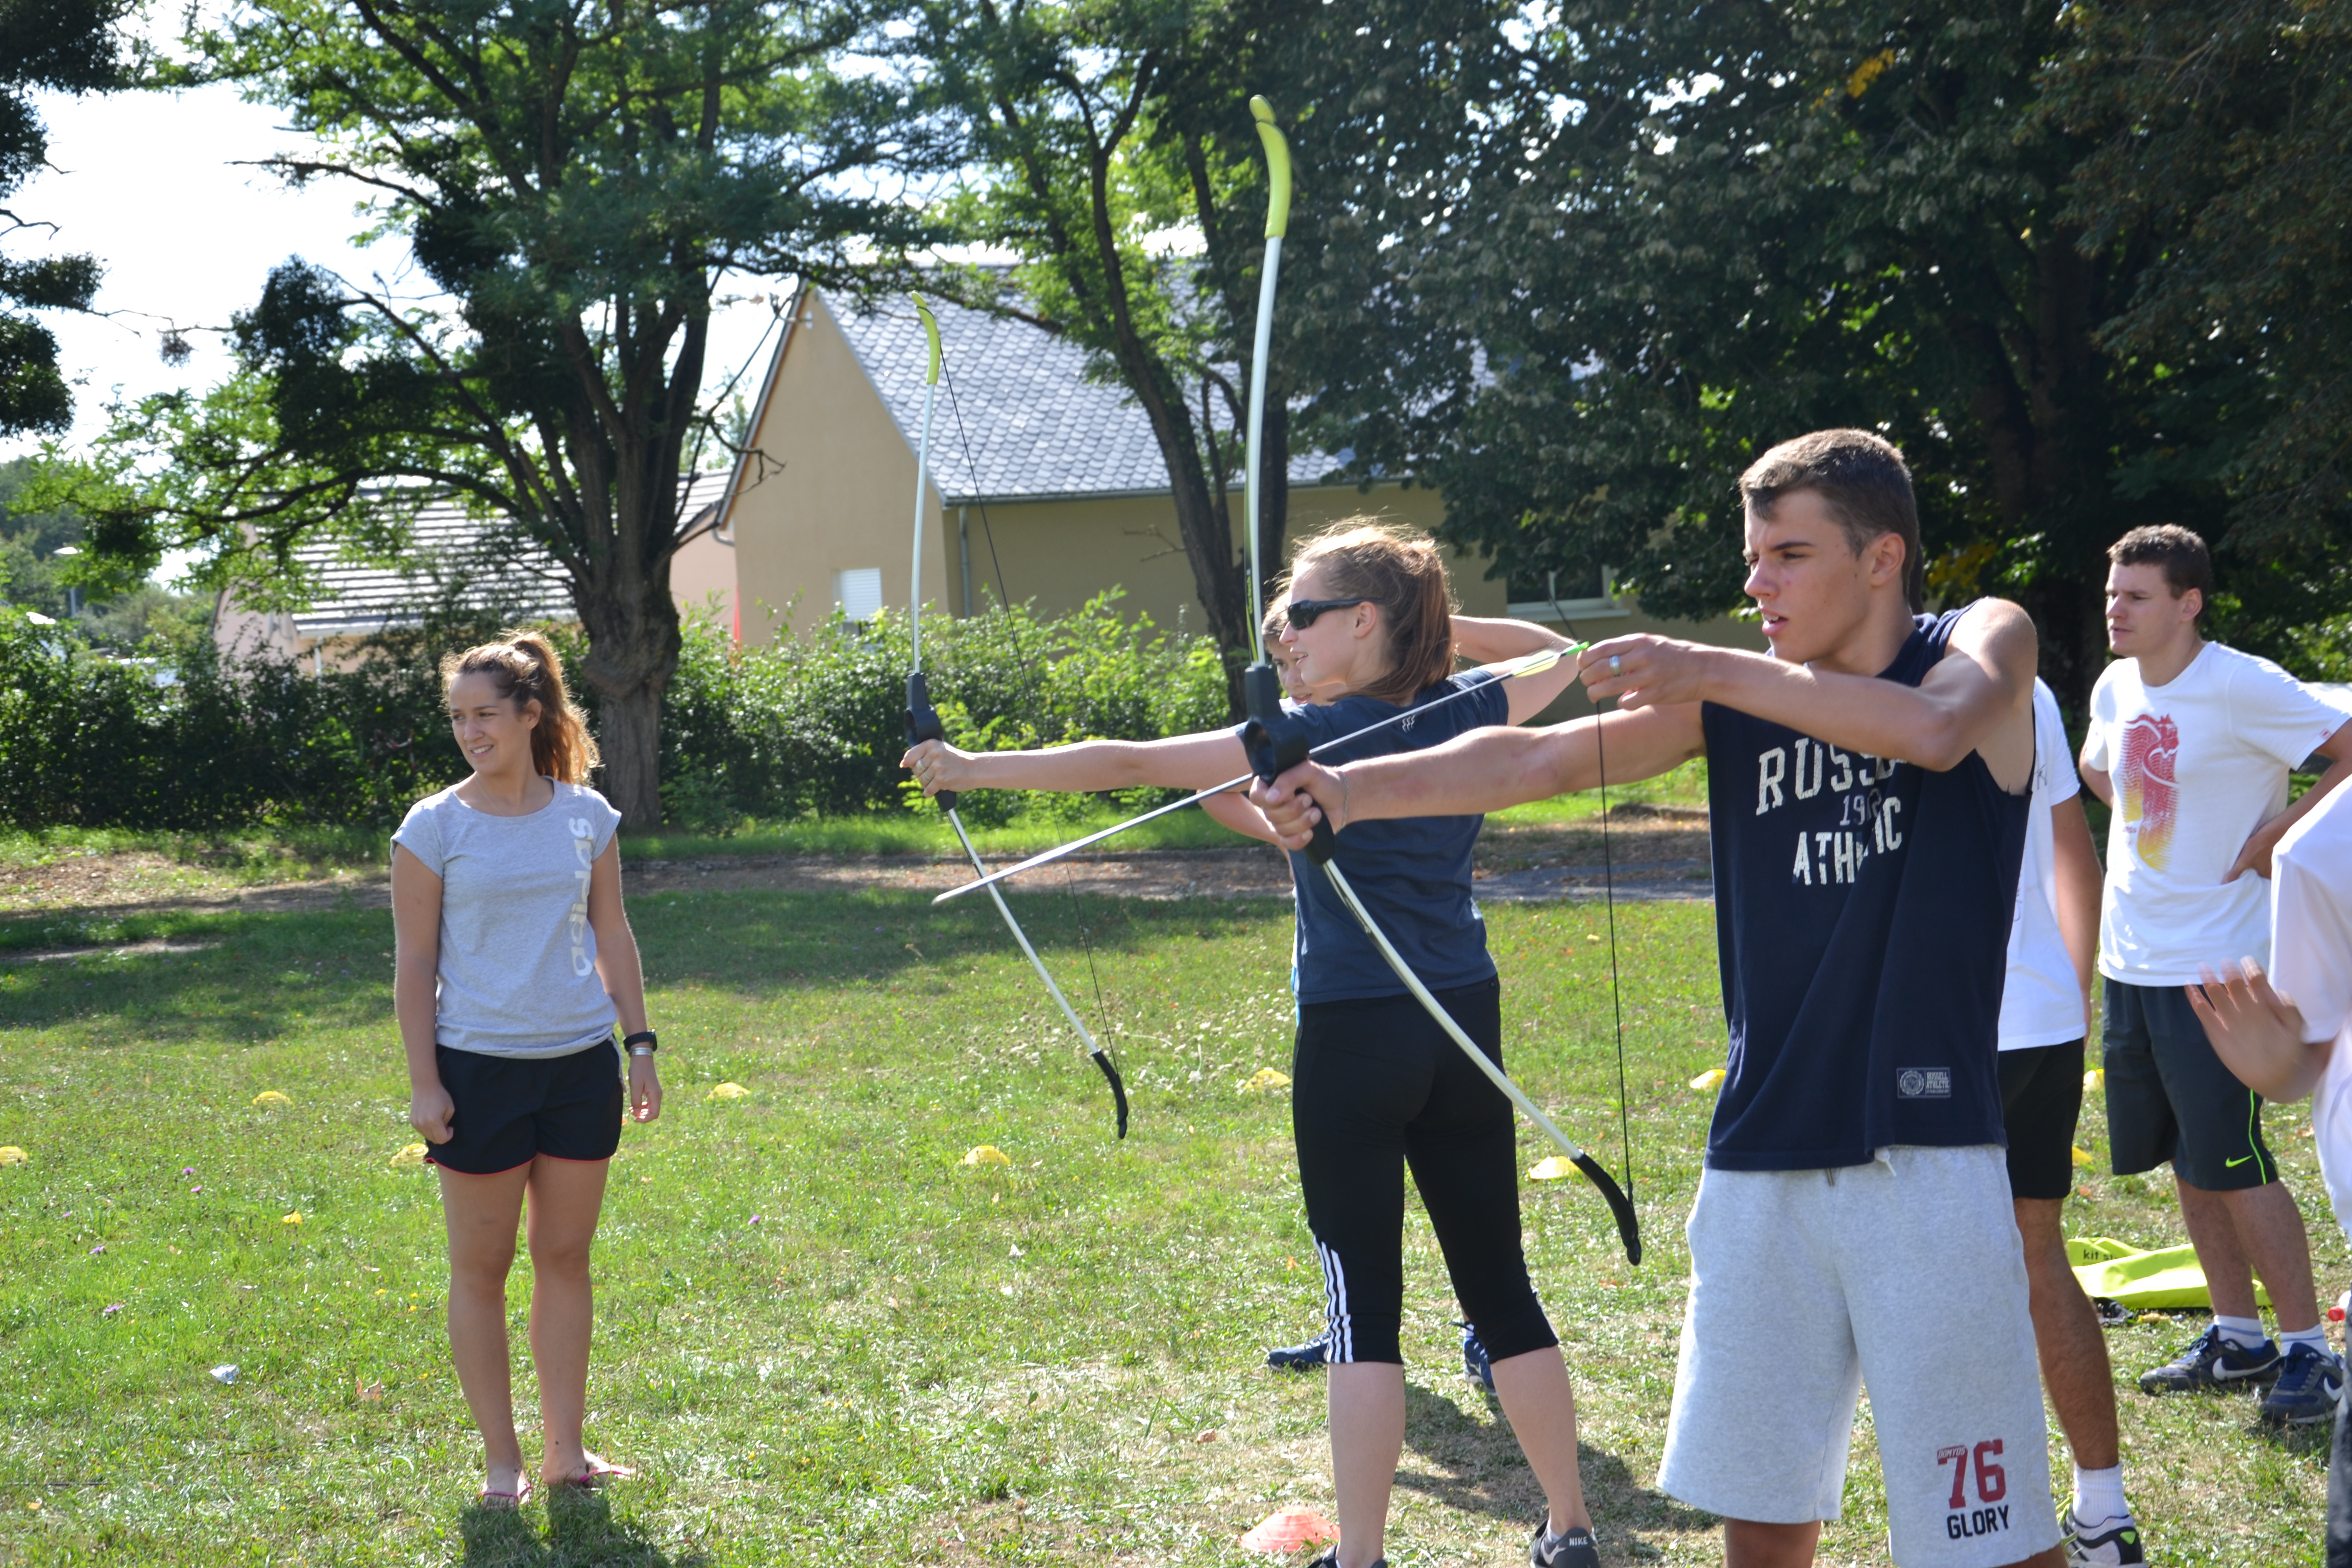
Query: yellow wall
(839, 491)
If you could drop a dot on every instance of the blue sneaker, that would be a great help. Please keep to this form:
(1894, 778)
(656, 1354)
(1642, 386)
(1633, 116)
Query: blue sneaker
(1573, 1548)
(1299, 1358)
(2212, 1362)
(1475, 1364)
(2310, 1385)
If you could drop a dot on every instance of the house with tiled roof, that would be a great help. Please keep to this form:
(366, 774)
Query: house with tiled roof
(1041, 479)
(452, 560)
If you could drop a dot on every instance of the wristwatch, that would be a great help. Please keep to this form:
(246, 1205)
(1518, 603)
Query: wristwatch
(644, 1043)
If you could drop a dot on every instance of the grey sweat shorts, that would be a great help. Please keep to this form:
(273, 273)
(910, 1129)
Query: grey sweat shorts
(1905, 1275)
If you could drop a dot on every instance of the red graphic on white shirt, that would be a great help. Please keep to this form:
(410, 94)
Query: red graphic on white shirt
(2150, 794)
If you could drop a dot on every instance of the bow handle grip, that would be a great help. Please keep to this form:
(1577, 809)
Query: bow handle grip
(923, 724)
(1274, 743)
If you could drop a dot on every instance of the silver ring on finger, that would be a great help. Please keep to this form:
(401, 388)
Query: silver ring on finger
(1616, 665)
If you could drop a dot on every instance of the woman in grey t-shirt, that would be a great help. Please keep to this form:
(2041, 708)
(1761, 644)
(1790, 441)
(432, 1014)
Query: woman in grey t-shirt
(515, 960)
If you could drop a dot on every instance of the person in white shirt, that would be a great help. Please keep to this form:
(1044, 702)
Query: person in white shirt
(2044, 1014)
(2285, 1036)
(2191, 743)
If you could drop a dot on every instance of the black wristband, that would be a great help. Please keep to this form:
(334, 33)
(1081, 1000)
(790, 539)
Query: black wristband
(644, 1038)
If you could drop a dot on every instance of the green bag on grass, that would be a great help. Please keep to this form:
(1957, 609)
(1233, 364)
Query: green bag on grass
(2120, 1272)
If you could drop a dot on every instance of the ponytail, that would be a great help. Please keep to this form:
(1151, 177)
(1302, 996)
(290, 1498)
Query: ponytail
(524, 668)
(1397, 569)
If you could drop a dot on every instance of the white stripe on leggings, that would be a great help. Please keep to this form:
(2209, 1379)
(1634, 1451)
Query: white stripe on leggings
(1339, 1328)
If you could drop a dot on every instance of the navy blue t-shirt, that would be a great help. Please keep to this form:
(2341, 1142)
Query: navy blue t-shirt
(1413, 872)
(1862, 909)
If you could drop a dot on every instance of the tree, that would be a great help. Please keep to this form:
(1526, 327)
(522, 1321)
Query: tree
(69, 45)
(575, 180)
(2224, 131)
(1713, 227)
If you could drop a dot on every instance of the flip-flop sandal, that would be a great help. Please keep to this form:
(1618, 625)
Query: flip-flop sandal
(502, 1502)
(599, 1474)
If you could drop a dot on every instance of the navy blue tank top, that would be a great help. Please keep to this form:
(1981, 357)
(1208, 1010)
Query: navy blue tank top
(1862, 909)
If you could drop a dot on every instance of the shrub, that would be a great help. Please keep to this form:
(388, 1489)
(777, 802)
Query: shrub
(187, 740)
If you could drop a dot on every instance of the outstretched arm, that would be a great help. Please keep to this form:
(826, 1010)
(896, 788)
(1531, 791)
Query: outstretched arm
(1482, 771)
(1979, 698)
(1183, 761)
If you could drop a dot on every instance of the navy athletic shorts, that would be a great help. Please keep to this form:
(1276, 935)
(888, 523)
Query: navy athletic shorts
(512, 1110)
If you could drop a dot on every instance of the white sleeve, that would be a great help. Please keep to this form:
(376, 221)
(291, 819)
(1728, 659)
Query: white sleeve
(2097, 751)
(2276, 714)
(2311, 938)
(420, 835)
(2055, 759)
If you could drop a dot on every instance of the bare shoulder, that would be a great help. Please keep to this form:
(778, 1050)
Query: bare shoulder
(1999, 632)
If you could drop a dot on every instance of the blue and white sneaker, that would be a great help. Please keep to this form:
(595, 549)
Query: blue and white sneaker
(1475, 1366)
(2212, 1362)
(1573, 1548)
(1315, 1352)
(2117, 1546)
(2310, 1385)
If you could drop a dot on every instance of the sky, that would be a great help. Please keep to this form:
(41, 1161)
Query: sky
(150, 183)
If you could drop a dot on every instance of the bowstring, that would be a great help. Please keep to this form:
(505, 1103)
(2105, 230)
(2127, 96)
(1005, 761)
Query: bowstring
(1004, 615)
(1609, 904)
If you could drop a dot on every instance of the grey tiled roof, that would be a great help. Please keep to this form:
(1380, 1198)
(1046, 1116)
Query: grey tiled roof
(1037, 425)
(355, 599)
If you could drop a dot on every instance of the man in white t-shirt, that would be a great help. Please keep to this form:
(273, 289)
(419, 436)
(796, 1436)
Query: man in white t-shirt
(2045, 1009)
(2289, 1042)
(2199, 740)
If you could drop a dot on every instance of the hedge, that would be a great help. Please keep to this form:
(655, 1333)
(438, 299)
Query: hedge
(806, 725)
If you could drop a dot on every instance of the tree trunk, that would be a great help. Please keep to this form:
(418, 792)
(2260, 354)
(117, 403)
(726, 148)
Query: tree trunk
(633, 647)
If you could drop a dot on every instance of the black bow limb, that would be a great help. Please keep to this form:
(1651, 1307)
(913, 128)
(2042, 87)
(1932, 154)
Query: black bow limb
(1275, 743)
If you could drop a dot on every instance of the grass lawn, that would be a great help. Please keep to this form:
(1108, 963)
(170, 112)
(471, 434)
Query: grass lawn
(821, 1337)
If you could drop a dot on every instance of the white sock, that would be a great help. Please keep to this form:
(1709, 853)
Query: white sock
(2313, 1336)
(2246, 1333)
(2099, 1495)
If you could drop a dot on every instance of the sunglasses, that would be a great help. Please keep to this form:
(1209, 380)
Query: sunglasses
(1303, 613)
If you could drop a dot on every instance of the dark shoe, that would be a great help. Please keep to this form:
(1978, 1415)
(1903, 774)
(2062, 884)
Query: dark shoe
(1299, 1358)
(2114, 1548)
(2212, 1362)
(2310, 1385)
(1475, 1364)
(1329, 1558)
(1574, 1548)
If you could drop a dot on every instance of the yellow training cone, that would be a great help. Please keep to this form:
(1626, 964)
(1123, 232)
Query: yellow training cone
(986, 1154)
(1553, 1168)
(1266, 1080)
(410, 1154)
(1711, 1079)
(12, 1155)
(2095, 1081)
(728, 1091)
(270, 1096)
(2081, 1155)
(294, 1218)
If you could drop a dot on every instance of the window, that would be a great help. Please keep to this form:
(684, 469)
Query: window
(1579, 596)
(858, 592)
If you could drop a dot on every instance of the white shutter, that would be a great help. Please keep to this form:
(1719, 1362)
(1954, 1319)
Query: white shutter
(858, 592)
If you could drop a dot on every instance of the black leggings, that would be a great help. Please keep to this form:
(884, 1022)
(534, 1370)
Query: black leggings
(1378, 1085)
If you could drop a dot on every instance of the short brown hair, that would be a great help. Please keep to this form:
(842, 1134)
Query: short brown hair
(1863, 481)
(2180, 552)
(524, 668)
(1399, 570)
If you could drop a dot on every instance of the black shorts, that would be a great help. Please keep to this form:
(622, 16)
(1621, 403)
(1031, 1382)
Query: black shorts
(2041, 1102)
(2170, 1097)
(512, 1110)
(1377, 1085)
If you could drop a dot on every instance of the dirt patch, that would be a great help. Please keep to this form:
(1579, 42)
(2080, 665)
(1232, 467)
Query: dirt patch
(1650, 852)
